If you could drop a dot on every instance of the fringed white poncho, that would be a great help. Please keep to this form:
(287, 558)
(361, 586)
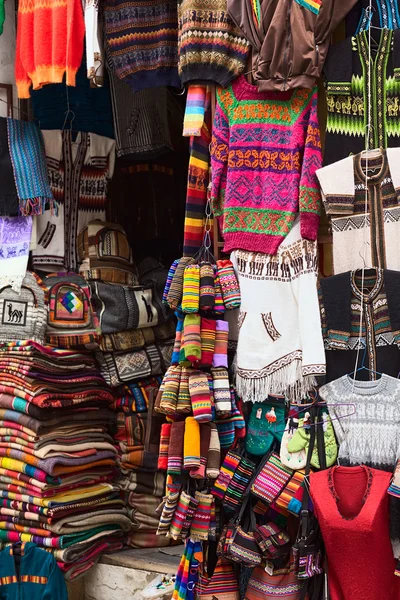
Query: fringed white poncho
(280, 347)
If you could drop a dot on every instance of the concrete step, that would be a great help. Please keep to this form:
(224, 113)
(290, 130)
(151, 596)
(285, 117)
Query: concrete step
(123, 575)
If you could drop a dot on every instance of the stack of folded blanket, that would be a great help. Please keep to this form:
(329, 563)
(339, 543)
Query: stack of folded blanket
(57, 456)
(137, 443)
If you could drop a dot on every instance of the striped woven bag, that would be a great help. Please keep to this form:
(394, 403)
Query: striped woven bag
(222, 584)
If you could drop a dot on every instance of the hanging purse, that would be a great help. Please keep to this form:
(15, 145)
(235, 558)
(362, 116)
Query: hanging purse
(237, 486)
(274, 584)
(239, 544)
(308, 548)
(273, 541)
(221, 585)
(271, 479)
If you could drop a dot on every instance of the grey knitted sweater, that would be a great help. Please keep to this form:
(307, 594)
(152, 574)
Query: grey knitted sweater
(371, 435)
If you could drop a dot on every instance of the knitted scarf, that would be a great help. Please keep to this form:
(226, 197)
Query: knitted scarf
(198, 172)
(29, 164)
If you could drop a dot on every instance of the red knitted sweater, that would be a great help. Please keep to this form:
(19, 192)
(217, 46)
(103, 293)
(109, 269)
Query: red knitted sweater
(49, 43)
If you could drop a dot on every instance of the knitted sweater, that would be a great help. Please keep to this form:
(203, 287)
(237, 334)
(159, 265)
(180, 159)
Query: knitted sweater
(49, 43)
(211, 47)
(344, 187)
(264, 154)
(280, 348)
(142, 42)
(371, 435)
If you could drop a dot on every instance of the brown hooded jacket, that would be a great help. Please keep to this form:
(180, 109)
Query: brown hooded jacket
(290, 45)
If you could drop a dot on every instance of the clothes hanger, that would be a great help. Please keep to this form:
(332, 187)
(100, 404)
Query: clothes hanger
(363, 367)
(322, 405)
(68, 112)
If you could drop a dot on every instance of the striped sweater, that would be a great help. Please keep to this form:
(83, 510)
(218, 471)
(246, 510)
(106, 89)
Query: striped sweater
(211, 47)
(142, 42)
(265, 151)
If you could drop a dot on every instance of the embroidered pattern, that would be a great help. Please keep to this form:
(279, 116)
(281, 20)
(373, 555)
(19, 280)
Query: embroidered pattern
(296, 355)
(261, 175)
(348, 101)
(270, 327)
(14, 313)
(71, 302)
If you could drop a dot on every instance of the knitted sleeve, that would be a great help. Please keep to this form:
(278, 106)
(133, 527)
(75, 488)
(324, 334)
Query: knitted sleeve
(309, 196)
(304, 286)
(75, 40)
(22, 79)
(219, 158)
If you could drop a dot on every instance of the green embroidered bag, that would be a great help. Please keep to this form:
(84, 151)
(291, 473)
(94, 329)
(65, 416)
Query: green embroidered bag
(266, 424)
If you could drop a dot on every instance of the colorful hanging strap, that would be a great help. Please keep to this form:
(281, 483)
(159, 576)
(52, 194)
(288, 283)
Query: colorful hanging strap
(222, 392)
(238, 484)
(170, 505)
(195, 108)
(170, 276)
(208, 340)
(192, 338)
(228, 468)
(200, 396)
(174, 296)
(184, 405)
(214, 453)
(191, 289)
(179, 516)
(164, 443)
(220, 358)
(175, 450)
(201, 518)
(169, 398)
(207, 287)
(219, 306)
(178, 338)
(191, 446)
(205, 434)
(229, 284)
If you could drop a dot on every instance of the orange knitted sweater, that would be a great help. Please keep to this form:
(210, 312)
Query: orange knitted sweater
(49, 43)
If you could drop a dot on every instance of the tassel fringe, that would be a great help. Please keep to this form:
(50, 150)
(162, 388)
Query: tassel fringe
(288, 381)
(37, 206)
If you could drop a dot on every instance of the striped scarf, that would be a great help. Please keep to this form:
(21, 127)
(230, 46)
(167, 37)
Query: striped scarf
(29, 165)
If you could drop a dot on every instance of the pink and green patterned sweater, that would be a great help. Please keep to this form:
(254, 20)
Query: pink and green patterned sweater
(265, 151)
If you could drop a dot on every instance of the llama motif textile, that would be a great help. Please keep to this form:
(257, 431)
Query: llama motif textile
(23, 314)
(349, 100)
(274, 149)
(280, 347)
(15, 239)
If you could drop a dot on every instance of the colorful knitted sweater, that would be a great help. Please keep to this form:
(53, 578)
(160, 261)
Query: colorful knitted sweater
(211, 47)
(49, 43)
(142, 42)
(264, 154)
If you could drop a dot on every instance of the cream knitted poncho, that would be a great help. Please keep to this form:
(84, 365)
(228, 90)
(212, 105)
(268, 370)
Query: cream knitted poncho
(280, 348)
